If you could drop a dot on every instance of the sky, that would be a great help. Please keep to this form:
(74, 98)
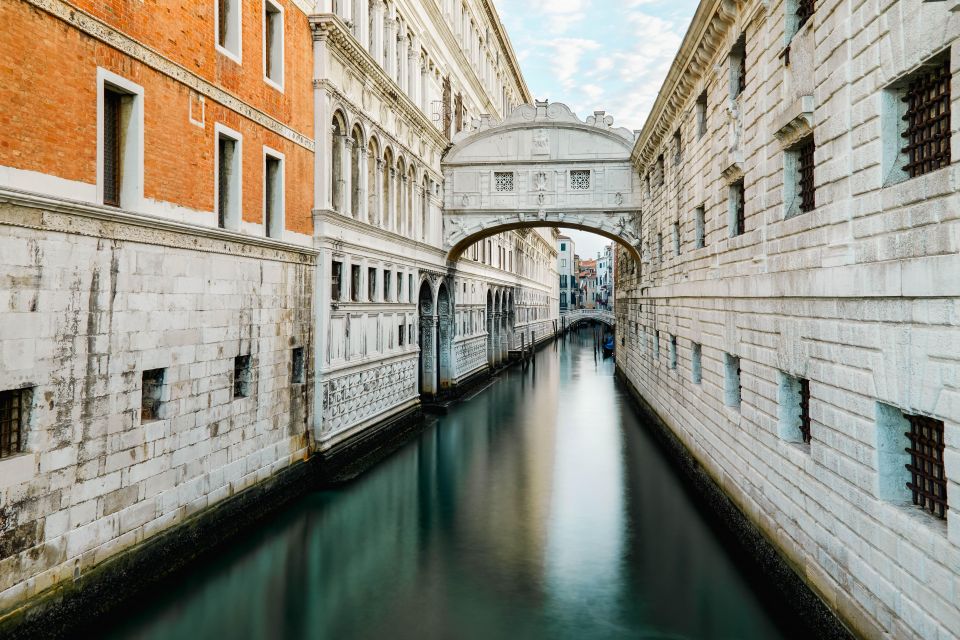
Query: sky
(609, 55)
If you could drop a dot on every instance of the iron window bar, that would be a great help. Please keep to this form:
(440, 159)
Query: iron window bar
(807, 187)
(805, 410)
(11, 422)
(805, 9)
(928, 481)
(740, 196)
(927, 134)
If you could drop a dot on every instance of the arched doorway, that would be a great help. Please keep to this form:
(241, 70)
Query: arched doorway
(445, 319)
(491, 361)
(428, 341)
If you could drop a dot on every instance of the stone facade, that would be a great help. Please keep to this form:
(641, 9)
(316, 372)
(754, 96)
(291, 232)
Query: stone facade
(170, 322)
(851, 294)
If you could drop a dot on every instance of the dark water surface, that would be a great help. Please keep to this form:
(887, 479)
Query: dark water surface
(538, 509)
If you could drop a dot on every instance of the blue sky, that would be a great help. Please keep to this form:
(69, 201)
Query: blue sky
(597, 54)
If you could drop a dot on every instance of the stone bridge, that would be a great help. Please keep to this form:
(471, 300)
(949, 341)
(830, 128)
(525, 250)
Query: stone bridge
(542, 166)
(572, 318)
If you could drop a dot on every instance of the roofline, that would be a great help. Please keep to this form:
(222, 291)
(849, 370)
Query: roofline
(508, 47)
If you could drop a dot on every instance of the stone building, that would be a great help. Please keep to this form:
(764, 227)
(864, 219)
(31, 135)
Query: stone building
(794, 318)
(587, 280)
(222, 252)
(566, 265)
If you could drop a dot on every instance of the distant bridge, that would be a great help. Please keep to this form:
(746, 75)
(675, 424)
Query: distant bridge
(575, 317)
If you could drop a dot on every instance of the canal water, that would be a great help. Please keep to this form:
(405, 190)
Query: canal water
(540, 508)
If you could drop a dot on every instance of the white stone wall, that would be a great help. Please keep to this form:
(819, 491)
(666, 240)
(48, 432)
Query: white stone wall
(88, 302)
(859, 296)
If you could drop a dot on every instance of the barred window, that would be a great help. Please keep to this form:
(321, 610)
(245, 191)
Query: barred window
(677, 147)
(503, 180)
(805, 410)
(111, 147)
(805, 9)
(927, 118)
(807, 187)
(298, 366)
(14, 405)
(738, 67)
(580, 179)
(738, 215)
(241, 376)
(928, 482)
(151, 391)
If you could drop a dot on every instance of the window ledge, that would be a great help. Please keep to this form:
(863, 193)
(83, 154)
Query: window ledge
(229, 54)
(273, 83)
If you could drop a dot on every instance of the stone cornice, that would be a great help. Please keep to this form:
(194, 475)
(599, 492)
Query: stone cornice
(65, 216)
(707, 33)
(110, 36)
(329, 27)
(508, 47)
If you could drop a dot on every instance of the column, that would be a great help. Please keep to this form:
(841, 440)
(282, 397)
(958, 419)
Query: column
(403, 63)
(376, 35)
(375, 208)
(362, 20)
(390, 38)
(425, 86)
(428, 356)
(346, 171)
(505, 339)
(402, 204)
(362, 186)
(413, 70)
(390, 200)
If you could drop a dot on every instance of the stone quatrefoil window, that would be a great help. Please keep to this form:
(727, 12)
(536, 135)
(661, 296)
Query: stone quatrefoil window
(503, 180)
(580, 179)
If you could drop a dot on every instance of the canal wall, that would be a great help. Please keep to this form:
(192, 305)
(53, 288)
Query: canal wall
(159, 369)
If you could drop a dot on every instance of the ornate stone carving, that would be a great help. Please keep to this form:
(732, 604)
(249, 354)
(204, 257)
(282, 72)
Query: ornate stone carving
(355, 397)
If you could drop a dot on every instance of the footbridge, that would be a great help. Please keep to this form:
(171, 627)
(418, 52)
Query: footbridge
(571, 319)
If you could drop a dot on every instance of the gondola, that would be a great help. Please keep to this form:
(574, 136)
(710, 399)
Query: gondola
(608, 347)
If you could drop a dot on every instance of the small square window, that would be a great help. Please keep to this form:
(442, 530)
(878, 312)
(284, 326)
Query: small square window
(298, 366)
(503, 180)
(151, 392)
(242, 376)
(580, 179)
(14, 410)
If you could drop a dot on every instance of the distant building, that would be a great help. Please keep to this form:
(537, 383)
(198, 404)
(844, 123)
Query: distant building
(566, 267)
(605, 278)
(588, 284)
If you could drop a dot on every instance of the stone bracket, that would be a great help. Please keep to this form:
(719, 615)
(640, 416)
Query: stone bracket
(795, 122)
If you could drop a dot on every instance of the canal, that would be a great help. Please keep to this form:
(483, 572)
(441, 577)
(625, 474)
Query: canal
(540, 508)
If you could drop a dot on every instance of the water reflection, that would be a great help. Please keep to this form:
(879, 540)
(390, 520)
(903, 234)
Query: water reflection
(538, 509)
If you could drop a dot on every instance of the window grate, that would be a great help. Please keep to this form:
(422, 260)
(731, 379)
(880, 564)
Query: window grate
(928, 481)
(805, 410)
(928, 120)
(807, 187)
(111, 148)
(805, 9)
(241, 376)
(580, 179)
(12, 407)
(503, 180)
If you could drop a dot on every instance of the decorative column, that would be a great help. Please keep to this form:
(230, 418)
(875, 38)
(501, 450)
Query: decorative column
(390, 38)
(403, 64)
(376, 35)
(428, 356)
(346, 171)
(413, 70)
(504, 338)
(375, 208)
(402, 204)
(425, 86)
(362, 20)
(362, 186)
(390, 200)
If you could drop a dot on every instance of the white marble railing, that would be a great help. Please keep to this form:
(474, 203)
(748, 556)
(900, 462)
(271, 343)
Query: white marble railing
(599, 315)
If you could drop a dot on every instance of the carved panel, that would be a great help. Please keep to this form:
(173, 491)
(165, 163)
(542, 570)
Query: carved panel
(355, 397)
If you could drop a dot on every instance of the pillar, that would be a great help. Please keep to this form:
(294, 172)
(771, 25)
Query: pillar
(362, 186)
(362, 22)
(413, 70)
(375, 209)
(390, 197)
(390, 39)
(403, 63)
(346, 171)
(428, 355)
(376, 35)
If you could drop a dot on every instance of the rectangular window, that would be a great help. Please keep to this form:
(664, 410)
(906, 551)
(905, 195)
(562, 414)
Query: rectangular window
(661, 171)
(355, 283)
(738, 215)
(673, 352)
(503, 180)
(399, 297)
(928, 480)
(410, 287)
(696, 363)
(793, 406)
(273, 43)
(298, 366)
(112, 163)
(336, 279)
(371, 284)
(387, 284)
(926, 98)
(677, 147)
(659, 247)
(738, 67)
(732, 390)
(228, 178)
(700, 223)
(14, 409)
(656, 345)
(273, 194)
(799, 187)
(241, 376)
(579, 179)
(401, 334)
(676, 238)
(701, 115)
(228, 28)
(151, 391)
(804, 10)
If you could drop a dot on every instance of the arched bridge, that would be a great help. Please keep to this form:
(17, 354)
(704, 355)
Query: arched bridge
(541, 167)
(572, 318)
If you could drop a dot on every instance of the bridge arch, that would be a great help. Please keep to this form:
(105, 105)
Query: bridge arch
(541, 167)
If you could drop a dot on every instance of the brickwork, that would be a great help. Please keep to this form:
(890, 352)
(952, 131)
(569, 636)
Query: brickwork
(852, 296)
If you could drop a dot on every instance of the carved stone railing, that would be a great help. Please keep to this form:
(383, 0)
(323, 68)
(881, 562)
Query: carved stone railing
(579, 315)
